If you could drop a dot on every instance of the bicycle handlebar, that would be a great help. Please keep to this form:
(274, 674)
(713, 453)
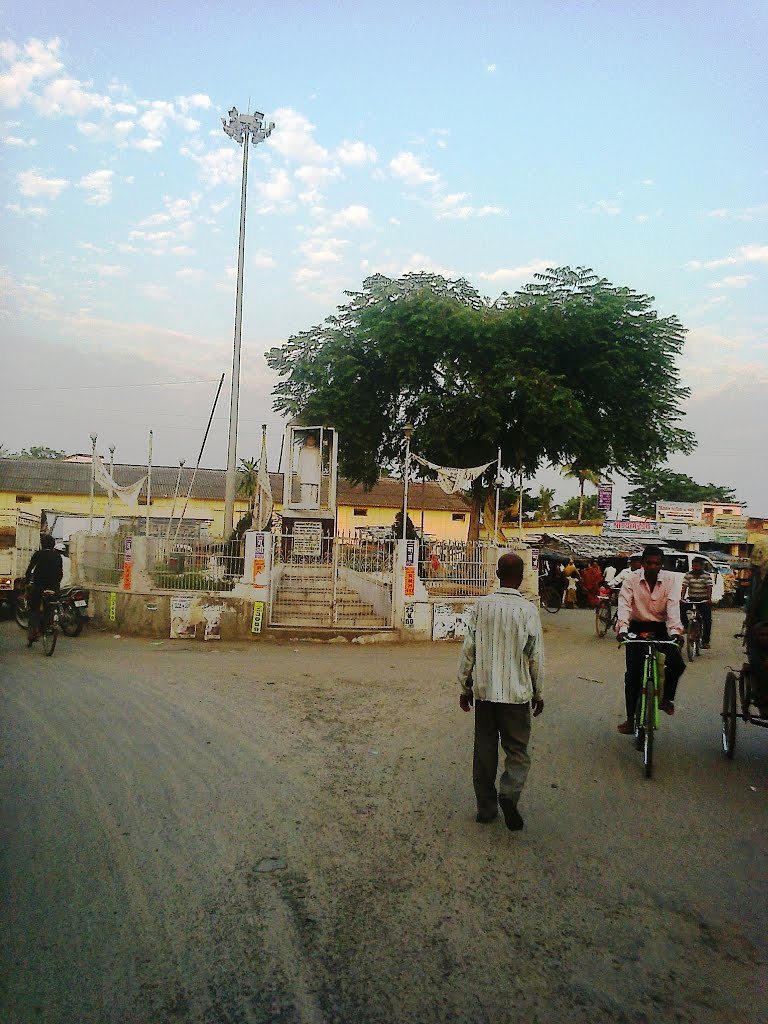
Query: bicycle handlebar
(632, 639)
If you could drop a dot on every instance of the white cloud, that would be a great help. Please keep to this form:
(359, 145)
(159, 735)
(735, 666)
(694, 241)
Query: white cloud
(410, 169)
(293, 138)
(99, 184)
(745, 254)
(491, 68)
(148, 145)
(27, 211)
(607, 206)
(314, 175)
(513, 274)
(747, 213)
(323, 250)
(31, 183)
(306, 274)
(450, 207)
(733, 281)
(356, 153)
(262, 260)
(189, 274)
(219, 166)
(68, 96)
(276, 189)
(197, 101)
(354, 216)
(110, 270)
(155, 291)
(37, 60)
(648, 183)
(14, 140)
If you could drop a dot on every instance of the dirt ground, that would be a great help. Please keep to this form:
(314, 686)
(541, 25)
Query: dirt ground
(284, 832)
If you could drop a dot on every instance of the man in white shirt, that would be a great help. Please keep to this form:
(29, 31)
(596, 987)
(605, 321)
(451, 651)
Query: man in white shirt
(501, 672)
(635, 562)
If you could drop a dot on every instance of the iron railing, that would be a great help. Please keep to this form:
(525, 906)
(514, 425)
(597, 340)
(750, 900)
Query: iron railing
(210, 566)
(451, 568)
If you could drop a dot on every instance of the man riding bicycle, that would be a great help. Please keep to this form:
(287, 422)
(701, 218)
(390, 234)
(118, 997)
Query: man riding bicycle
(44, 572)
(697, 586)
(648, 604)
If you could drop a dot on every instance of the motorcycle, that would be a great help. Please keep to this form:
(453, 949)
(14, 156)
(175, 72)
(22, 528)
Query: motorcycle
(73, 605)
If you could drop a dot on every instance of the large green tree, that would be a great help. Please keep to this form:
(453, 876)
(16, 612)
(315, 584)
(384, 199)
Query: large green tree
(569, 369)
(651, 485)
(38, 452)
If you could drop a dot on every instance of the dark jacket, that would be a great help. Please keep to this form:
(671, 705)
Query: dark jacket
(45, 569)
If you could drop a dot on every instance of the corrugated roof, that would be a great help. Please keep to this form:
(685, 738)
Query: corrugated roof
(592, 546)
(55, 476)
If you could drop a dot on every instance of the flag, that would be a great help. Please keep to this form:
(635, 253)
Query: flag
(264, 504)
(128, 494)
(452, 480)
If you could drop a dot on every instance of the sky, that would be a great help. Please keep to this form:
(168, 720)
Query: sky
(479, 140)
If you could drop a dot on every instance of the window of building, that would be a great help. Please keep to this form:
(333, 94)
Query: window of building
(22, 498)
(360, 512)
(458, 517)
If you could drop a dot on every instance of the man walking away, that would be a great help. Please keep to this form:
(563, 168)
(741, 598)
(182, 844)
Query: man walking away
(44, 572)
(501, 672)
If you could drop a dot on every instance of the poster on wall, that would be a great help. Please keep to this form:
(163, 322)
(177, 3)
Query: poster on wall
(449, 622)
(182, 626)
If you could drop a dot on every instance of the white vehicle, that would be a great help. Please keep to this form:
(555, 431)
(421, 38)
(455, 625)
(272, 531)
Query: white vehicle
(681, 562)
(19, 538)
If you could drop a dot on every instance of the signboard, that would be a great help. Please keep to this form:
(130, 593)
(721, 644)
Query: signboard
(258, 616)
(605, 497)
(308, 539)
(127, 562)
(408, 619)
(112, 613)
(631, 526)
(410, 581)
(258, 555)
(535, 560)
(689, 512)
(730, 529)
(410, 552)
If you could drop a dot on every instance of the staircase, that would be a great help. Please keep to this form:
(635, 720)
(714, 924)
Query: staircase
(304, 597)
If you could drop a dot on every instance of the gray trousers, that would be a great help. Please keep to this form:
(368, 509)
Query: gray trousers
(510, 723)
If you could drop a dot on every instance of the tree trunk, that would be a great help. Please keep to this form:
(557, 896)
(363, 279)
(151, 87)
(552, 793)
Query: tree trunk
(581, 498)
(475, 509)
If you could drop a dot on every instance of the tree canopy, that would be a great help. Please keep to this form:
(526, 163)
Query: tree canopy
(36, 452)
(652, 485)
(569, 369)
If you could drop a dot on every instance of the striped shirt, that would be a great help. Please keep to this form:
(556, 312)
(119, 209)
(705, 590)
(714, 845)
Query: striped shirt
(503, 650)
(699, 587)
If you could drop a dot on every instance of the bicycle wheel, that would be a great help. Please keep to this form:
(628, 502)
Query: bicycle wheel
(690, 645)
(729, 716)
(21, 611)
(70, 622)
(650, 725)
(603, 619)
(550, 599)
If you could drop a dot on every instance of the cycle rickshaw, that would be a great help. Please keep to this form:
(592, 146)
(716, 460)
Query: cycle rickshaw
(745, 694)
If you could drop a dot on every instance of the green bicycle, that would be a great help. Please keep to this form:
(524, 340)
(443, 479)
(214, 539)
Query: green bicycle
(651, 694)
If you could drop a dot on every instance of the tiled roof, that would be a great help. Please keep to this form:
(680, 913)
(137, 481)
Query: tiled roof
(592, 546)
(55, 476)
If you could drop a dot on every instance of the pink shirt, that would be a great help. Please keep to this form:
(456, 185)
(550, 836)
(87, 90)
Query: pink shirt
(638, 601)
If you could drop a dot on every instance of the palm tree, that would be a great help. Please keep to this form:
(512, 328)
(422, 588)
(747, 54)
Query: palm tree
(248, 482)
(546, 497)
(592, 476)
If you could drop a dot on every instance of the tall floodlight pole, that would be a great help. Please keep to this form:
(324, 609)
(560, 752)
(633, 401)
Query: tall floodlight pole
(94, 438)
(241, 128)
(108, 524)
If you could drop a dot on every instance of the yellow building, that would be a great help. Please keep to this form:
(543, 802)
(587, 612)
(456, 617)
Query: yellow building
(61, 490)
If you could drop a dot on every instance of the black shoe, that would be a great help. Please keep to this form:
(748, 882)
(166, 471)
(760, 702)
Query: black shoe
(511, 814)
(485, 817)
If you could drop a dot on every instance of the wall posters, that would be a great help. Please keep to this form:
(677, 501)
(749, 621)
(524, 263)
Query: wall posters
(605, 497)
(127, 562)
(410, 580)
(448, 621)
(258, 616)
(258, 555)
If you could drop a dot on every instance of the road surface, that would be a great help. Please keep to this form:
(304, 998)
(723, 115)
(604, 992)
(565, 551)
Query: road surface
(284, 832)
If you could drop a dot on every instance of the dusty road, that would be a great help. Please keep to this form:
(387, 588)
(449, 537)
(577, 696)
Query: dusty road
(285, 832)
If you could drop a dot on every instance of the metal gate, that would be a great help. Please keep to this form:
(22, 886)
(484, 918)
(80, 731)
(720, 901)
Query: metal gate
(331, 582)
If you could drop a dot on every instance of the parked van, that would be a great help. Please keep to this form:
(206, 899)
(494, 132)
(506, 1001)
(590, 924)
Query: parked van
(682, 562)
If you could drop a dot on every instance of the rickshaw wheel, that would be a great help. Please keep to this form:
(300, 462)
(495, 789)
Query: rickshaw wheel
(729, 716)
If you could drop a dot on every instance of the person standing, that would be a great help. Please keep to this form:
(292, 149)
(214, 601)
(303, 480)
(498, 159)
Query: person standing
(697, 586)
(501, 672)
(648, 604)
(44, 572)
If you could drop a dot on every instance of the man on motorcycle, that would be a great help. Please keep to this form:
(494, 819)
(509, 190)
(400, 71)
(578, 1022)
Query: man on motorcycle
(44, 572)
